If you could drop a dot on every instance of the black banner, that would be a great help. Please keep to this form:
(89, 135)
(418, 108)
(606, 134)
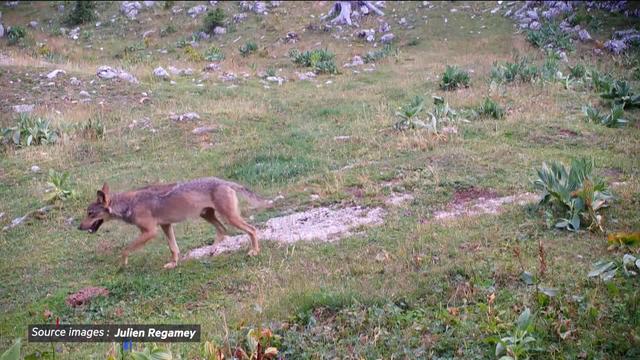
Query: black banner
(114, 333)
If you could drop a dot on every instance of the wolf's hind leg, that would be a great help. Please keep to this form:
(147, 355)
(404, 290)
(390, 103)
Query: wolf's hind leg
(171, 239)
(209, 214)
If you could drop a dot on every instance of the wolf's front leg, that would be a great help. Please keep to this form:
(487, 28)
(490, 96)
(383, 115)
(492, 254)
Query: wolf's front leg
(146, 235)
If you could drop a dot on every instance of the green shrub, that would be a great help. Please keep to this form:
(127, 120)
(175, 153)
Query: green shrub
(81, 13)
(491, 108)
(454, 78)
(170, 29)
(60, 187)
(508, 72)
(30, 131)
(612, 119)
(248, 48)
(408, 115)
(214, 18)
(16, 34)
(578, 71)
(322, 61)
(573, 196)
(375, 55)
(619, 92)
(92, 129)
(168, 4)
(550, 67)
(270, 71)
(214, 53)
(551, 35)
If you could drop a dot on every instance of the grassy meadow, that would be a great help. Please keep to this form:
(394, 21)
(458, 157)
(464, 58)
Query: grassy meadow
(410, 288)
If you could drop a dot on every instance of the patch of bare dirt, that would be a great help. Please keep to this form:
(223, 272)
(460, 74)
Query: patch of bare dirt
(474, 201)
(85, 295)
(319, 224)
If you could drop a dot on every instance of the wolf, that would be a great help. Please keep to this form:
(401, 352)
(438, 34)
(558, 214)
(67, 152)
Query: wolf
(210, 198)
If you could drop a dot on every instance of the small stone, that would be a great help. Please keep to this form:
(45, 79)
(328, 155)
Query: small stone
(84, 93)
(35, 169)
(190, 116)
(24, 108)
(204, 130)
(259, 7)
(196, 10)
(161, 73)
(219, 30)
(306, 76)
(384, 27)
(33, 24)
(387, 38)
(277, 79)
(55, 73)
(403, 21)
(147, 33)
(212, 67)
(291, 37)
(239, 17)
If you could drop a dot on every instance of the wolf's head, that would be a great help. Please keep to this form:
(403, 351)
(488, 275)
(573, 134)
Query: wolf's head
(97, 212)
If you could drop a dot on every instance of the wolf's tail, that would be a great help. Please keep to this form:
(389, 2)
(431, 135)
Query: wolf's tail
(256, 201)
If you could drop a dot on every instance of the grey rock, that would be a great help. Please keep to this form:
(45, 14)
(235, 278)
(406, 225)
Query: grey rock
(130, 9)
(213, 3)
(212, 67)
(147, 33)
(55, 73)
(403, 21)
(203, 35)
(615, 46)
(190, 116)
(275, 4)
(61, 8)
(84, 93)
(74, 33)
(219, 30)
(384, 27)
(277, 79)
(176, 10)
(204, 130)
(33, 24)
(387, 38)
(161, 73)
(239, 17)
(246, 5)
(149, 4)
(197, 10)
(534, 25)
(107, 72)
(35, 169)
(227, 76)
(24, 108)
(1, 31)
(74, 81)
(306, 76)
(584, 35)
(291, 37)
(355, 61)
(180, 72)
(259, 7)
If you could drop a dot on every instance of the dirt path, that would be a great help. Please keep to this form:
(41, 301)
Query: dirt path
(328, 224)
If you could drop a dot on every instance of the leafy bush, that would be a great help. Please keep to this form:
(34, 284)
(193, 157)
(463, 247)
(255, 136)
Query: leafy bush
(248, 48)
(60, 187)
(81, 13)
(408, 115)
(322, 61)
(213, 19)
(520, 342)
(170, 29)
(551, 66)
(612, 119)
(491, 108)
(375, 55)
(578, 71)
(454, 78)
(214, 53)
(270, 71)
(15, 34)
(619, 92)
(550, 35)
(30, 131)
(92, 129)
(520, 69)
(193, 54)
(573, 196)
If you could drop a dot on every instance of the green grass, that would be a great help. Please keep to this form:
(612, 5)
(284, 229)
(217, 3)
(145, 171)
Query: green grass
(428, 297)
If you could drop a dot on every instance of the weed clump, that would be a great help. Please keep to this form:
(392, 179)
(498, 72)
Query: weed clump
(16, 34)
(30, 131)
(550, 35)
(454, 78)
(214, 53)
(213, 19)
(248, 48)
(491, 108)
(322, 61)
(573, 197)
(81, 13)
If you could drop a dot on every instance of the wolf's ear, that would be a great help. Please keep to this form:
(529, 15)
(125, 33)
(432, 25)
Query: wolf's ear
(103, 195)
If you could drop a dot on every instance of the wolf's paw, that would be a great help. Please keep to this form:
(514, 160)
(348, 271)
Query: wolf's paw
(170, 265)
(253, 252)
